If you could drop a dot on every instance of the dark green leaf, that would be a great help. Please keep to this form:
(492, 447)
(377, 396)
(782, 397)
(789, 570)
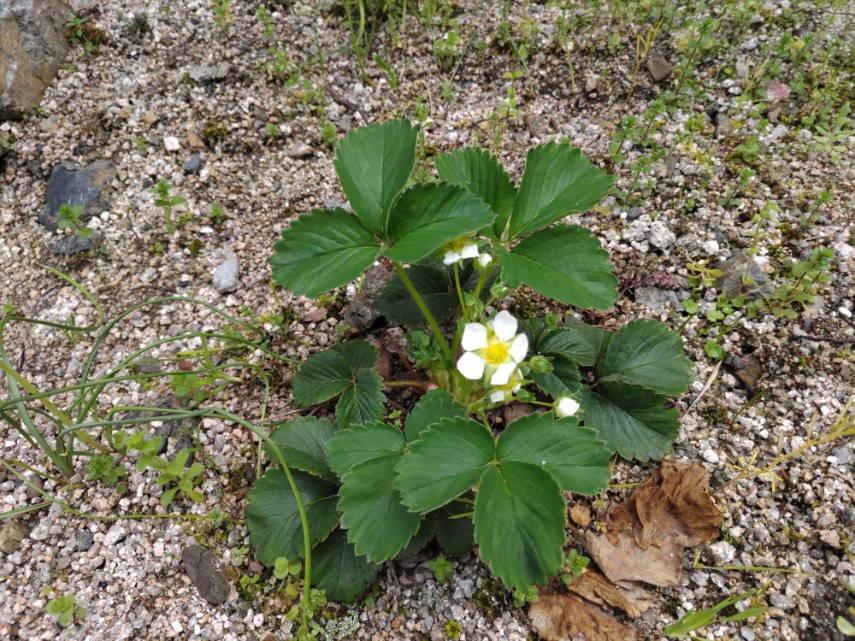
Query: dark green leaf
(447, 460)
(427, 216)
(480, 173)
(564, 378)
(519, 523)
(274, 522)
(456, 535)
(373, 164)
(371, 510)
(564, 262)
(570, 343)
(420, 539)
(363, 401)
(631, 420)
(647, 353)
(332, 371)
(432, 408)
(339, 571)
(557, 181)
(436, 289)
(362, 443)
(597, 338)
(322, 250)
(573, 455)
(303, 443)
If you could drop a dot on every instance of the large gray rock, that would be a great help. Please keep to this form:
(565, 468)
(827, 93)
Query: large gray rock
(32, 46)
(204, 571)
(89, 186)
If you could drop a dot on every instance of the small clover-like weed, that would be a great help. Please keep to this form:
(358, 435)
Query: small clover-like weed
(574, 565)
(283, 568)
(183, 479)
(69, 217)
(65, 610)
(442, 568)
(166, 201)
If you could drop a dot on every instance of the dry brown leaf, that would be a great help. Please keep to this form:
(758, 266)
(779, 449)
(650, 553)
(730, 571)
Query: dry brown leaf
(384, 360)
(593, 586)
(567, 617)
(580, 514)
(194, 140)
(673, 502)
(627, 561)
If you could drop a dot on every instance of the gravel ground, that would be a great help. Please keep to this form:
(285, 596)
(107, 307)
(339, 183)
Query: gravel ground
(145, 105)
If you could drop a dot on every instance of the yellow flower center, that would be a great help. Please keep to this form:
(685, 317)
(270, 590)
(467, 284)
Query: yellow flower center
(496, 353)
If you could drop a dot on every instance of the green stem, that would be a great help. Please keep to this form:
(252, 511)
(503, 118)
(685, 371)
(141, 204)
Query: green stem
(460, 291)
(446, 348)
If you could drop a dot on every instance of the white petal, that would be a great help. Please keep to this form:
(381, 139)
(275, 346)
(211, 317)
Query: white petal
(519, 348)
(484, 259)
(505, 325)
(474, 337)
(503, 374)
(497, 397)
(450, 257)
(469, 251)
(471, 366)
(566, 406)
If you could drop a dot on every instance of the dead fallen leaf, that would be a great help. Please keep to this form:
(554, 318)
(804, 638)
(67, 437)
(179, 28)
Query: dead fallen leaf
(194, 140)
(315, 315)
(673, 502)
(624, 560)
(580, 514)
(567, 617)
(596, 588)
(384, 360)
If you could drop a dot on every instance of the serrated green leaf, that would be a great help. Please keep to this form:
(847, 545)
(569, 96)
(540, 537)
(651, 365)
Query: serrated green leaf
(303, 443)
(647, 353)
(432, 408)
(322, 250)
(597, 338)
(519, 523)
(362, 443)
(570, 343)
(376, 521)
(564, 378)
(429, 476)
(573, 455)
(373, 164)
(274, 522)
(428, 215)
(456, 535)
(435, 284)
(480, 173)
(631, 420)
(363, 401)
(338, 570)
(564, 262)
(420, 539)
(332, 371)
(557, 181)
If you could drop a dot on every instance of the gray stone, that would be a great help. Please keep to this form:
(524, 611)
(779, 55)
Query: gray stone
(37, 481)
(11, 535)
(733, 281)
(656, 299)
(115, 534)
(633, 212)
(32, 47)
(722, 552)
(363, 310)
(73, 244)
(204, 571)
(89, 187)
(843, 455)
(84, 540)
(660, 236)
(747, 633)
(782, 601)
(193, 164)
(209, 73)
(226, 276)
(658, 67)
(722, 125)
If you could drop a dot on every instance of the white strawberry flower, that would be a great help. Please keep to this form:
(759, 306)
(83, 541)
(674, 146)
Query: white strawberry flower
(460, 249)
(566, 406)
(484, 259)
(492, 351)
